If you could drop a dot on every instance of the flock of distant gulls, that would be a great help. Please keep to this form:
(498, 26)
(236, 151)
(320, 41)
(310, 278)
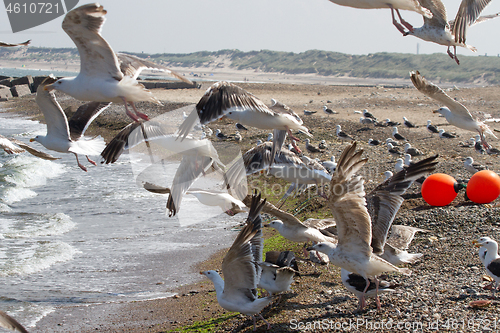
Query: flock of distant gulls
(360, 238)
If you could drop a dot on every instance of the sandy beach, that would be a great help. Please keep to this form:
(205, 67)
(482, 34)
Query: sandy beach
(442, 284)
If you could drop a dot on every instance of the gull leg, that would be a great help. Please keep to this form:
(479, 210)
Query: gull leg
(455, 55)
(363, 298)
(268, 325)
(90, 161)
(377, 299)
(396, 23)
(79, 164)
(130, 114)
(254, 326)
(403, 22)
(140, 114)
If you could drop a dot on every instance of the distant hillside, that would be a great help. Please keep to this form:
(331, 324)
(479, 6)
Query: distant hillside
(477, 69)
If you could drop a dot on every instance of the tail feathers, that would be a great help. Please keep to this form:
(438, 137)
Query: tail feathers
(88, 146)
(410, 258)
(486, 128)
(305, 131)
(405, 271)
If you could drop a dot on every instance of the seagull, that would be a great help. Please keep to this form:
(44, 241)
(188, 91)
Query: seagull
(471, 166)
(400, 165)
(67, 136)
(391, 141)
(387, 174)
(394, 151)
(238, 291)
(431, 128)
(2, 44)
(275, 279)
(391, 123)
(451, 33)
(220, 135)
(491, 259)
(356, 284)
(354, 250)
(343, 135)
(367, 114)
(241, 127)
(310, 148)
(454, 112)
(328, 111)
(446, 135)
(105, 76)
(394, 5)
(309, 113)
(411, 150)
(396, 135)
(398, 242)
(366, 121)
(226, 99)
(373, 142)
(229, 204)
(478, 145)
(330, 165)
(10, 323)
(323, 144)
(407, 123)
(407, 161)
(237, 137)
(14, 146)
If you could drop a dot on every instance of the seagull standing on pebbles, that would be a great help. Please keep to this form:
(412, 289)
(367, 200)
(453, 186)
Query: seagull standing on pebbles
(471, 166)
(431, 128)
(367, 114)
(240, 127)
(373, 142)
(411, 150)
(310, 148)
(396, 135)
(343, 135)
(446, 135)
(328, 111)
(394, 151)
(491, 259)
(407, 123)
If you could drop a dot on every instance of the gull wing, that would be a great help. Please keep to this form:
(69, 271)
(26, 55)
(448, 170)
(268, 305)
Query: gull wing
(431, 90)
(55, 118)
(84, 115)
(219, 100)
(132, 66)
(97, 59)
(260, 158)
(439, 18)
(34, 152)
(467, 14)
(348, 205)
(8, 146)
(240, 267)
(402, 235)
(385, 200)
(2, 44)
(129, 136)
(10, 323)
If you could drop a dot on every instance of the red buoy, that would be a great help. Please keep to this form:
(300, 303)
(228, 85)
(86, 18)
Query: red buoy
(483, 187)
(439, 189)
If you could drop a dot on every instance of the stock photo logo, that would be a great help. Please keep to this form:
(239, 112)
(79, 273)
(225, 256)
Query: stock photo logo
(24, 15)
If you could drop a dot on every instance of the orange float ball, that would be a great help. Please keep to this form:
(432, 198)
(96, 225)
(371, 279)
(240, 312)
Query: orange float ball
(439, 189)
(483, 187)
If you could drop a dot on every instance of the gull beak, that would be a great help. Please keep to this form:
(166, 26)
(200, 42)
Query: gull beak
(266, 225)
(310, 248)
(476, 243)
(435, 111)
(48, 87)
(201, 273)
(32, 139)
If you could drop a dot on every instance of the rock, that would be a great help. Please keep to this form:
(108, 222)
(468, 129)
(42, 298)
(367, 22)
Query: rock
(20, 90)
(6, 82)
(28, 79)
(5, 93)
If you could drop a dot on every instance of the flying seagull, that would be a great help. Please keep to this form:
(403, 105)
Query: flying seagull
(63, 135)
(454, 112)
(439, 30)
(226, 99)
(394, 5)
(354, 250)
(105, 76)
(238, 291)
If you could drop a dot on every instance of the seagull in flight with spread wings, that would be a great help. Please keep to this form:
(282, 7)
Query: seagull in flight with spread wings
(105, 76)
(454, 112)
(237, 292)
(439, 30)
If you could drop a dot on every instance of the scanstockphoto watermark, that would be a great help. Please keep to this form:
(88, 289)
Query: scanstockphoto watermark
(355, 325)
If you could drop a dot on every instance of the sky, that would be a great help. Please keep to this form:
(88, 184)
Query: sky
(185, 26)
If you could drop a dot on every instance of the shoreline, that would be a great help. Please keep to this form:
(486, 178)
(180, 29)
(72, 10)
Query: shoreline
(435, 291)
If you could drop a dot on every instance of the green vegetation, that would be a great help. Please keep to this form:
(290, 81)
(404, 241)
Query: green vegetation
(206, 325)
(436, 66)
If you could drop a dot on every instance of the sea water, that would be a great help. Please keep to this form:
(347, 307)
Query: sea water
(69, 237)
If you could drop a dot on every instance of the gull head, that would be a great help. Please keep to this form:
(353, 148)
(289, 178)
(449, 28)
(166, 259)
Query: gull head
(468, 160)
(486, 242)
(323, 247)
(36, 138)
(276, 224)
(211, 274)
(61, 85)
(443, 111)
